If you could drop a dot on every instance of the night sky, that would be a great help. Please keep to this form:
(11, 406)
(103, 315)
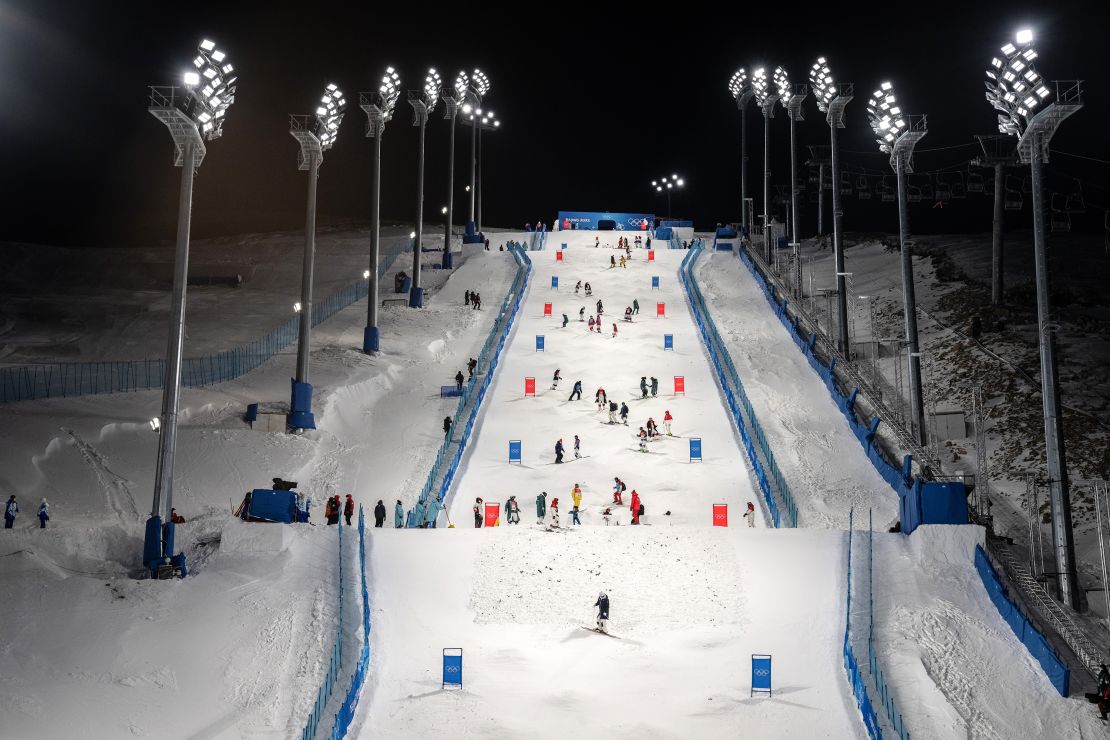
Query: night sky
(594, 104)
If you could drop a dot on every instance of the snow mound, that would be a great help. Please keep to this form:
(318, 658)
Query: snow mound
(255, 538)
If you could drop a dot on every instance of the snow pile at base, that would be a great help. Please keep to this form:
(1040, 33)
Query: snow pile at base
(516, 600)
(955, 668)
(825, 465)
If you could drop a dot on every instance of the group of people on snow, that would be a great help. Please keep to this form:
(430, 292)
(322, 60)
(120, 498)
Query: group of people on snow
(473, 299)
(11, 511)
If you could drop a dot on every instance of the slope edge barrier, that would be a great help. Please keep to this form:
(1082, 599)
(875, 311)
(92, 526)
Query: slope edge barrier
(335, 662)
(68, 379)
(776, 494)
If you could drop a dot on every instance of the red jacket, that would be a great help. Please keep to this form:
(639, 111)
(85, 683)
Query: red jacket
(349, 506)
(667, 417)
(635, 504)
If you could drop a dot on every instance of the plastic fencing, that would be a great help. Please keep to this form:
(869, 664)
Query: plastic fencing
(783, 509)
(1057, 670)
(851, 665)
(66, 379)
(323, 694)
(347, 710)
(439, 479)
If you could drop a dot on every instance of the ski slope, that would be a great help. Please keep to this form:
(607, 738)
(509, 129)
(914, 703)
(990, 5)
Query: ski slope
(690, 602)
(822, 460)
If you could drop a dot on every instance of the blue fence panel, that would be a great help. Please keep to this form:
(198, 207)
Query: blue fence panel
(346, 713)
(331, 677)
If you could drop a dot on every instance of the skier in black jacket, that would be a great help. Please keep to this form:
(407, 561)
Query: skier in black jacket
(379, 514)
(602, 605)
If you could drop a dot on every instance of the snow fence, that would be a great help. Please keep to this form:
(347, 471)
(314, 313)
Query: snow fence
(1029, 636)
(776, 493)
(851, 665)
(331, 677)
(446, 464)
(65, 379)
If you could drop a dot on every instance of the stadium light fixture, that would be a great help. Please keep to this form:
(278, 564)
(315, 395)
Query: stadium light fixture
(739, 86)
(666, 185)
(453, 97)
(832, 98)
(378, 107)
(193, 113)
(765, 97)
(1032, 109)
(315, 133)
(487, 121)
(791, 97)
(479, 87)
(155, 424)
(365, 274)
(897, 134)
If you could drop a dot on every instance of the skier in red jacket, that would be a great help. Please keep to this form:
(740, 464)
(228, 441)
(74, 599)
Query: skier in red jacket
(635, 507)
(667, 419)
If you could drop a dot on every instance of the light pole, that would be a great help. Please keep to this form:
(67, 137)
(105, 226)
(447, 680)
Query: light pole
(487, 121)
(765, 98)
(193, 113)
(423, 102)
(451, 99)
(741, 89)
(378, 106)
(998, 153)
(1032, 111)
(479, 86)
(898, 134)
(832, 98)
(315, 134)
(791, 97)
(666, 185)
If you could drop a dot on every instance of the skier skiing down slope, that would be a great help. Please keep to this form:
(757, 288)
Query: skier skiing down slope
(555, 379)
(602, 605)
(576, 392)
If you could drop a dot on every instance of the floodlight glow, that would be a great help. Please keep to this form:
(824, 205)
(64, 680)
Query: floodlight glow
(479, 82)
(658, 189)
(467, 109)
(669, 186)
(213, 100)
(674, 177)
(390, 90)
(432, 84)
(329, 114)
(443, 210)
(653, 182)
(761, 86)
(155, 424)
(739, 84)
(821, 82)
(680, 182)
(297, 307)
(1014, 87)
(885, 117)
(782, 84)
(412, 235)
(365, 274)
(462, 84)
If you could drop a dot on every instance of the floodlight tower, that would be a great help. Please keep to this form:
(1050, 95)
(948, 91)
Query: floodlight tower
(193, 112)
(479, 86)
(487, 121)
(740, 88)
(832, 98)
(898, 134)
(378, 106)
(423, 102)
(1032, 109)
(765, 97)
(452, 97)
(791, 97)
(315, 134)
(668, 185)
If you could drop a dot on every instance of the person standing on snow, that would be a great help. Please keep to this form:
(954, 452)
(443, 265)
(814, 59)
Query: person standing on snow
(379, 514)
(576, 392)
(447, 427)
(667, 419)
(614, 331)
(11, 510)
(432, 514)
(600, 308)
(577, 287)
(574, 516)
(459, 380)
(471, 367)
(565, 321)
(628, 313)
(750, 514)
(577, 447)
(419, 514)
(652, 430)
(576, 495)
(654, 386)
(398, 515)
(597, 324)
(582, 314)
(555, 512)
(643, 440)
(591, 324)
(514, 511)
(602, 605)
(44, 514)
(349, 509)
(589, 290)
(612, 412)
(559, 451)
(624, 413)
(478, 513)
(636, 506)
(555, 379)
(541, 506)
(635, 306)
(612, 262)
(618, 491)
(643, 386)
(599, 397)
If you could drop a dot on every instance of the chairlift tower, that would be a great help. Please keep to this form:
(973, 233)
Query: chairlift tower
(998, 153)
(1032, 110)
(819, 157)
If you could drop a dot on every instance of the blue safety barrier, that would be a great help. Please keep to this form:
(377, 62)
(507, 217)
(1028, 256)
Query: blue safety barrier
(851, 665)
(65, 379)
(783, 510)
(323, 694)
(1057, 670)
(443, 470)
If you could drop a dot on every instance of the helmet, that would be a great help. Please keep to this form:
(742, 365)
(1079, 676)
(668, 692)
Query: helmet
(601, 595)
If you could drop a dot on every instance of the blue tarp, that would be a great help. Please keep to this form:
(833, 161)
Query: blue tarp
(273, 506)
(1058, 673)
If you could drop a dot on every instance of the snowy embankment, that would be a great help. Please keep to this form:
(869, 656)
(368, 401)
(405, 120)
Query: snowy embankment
(690, 602)
(955, 668)
(822, 460)
(240, 646)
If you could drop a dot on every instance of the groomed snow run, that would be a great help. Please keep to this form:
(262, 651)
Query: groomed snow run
(690, 602)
